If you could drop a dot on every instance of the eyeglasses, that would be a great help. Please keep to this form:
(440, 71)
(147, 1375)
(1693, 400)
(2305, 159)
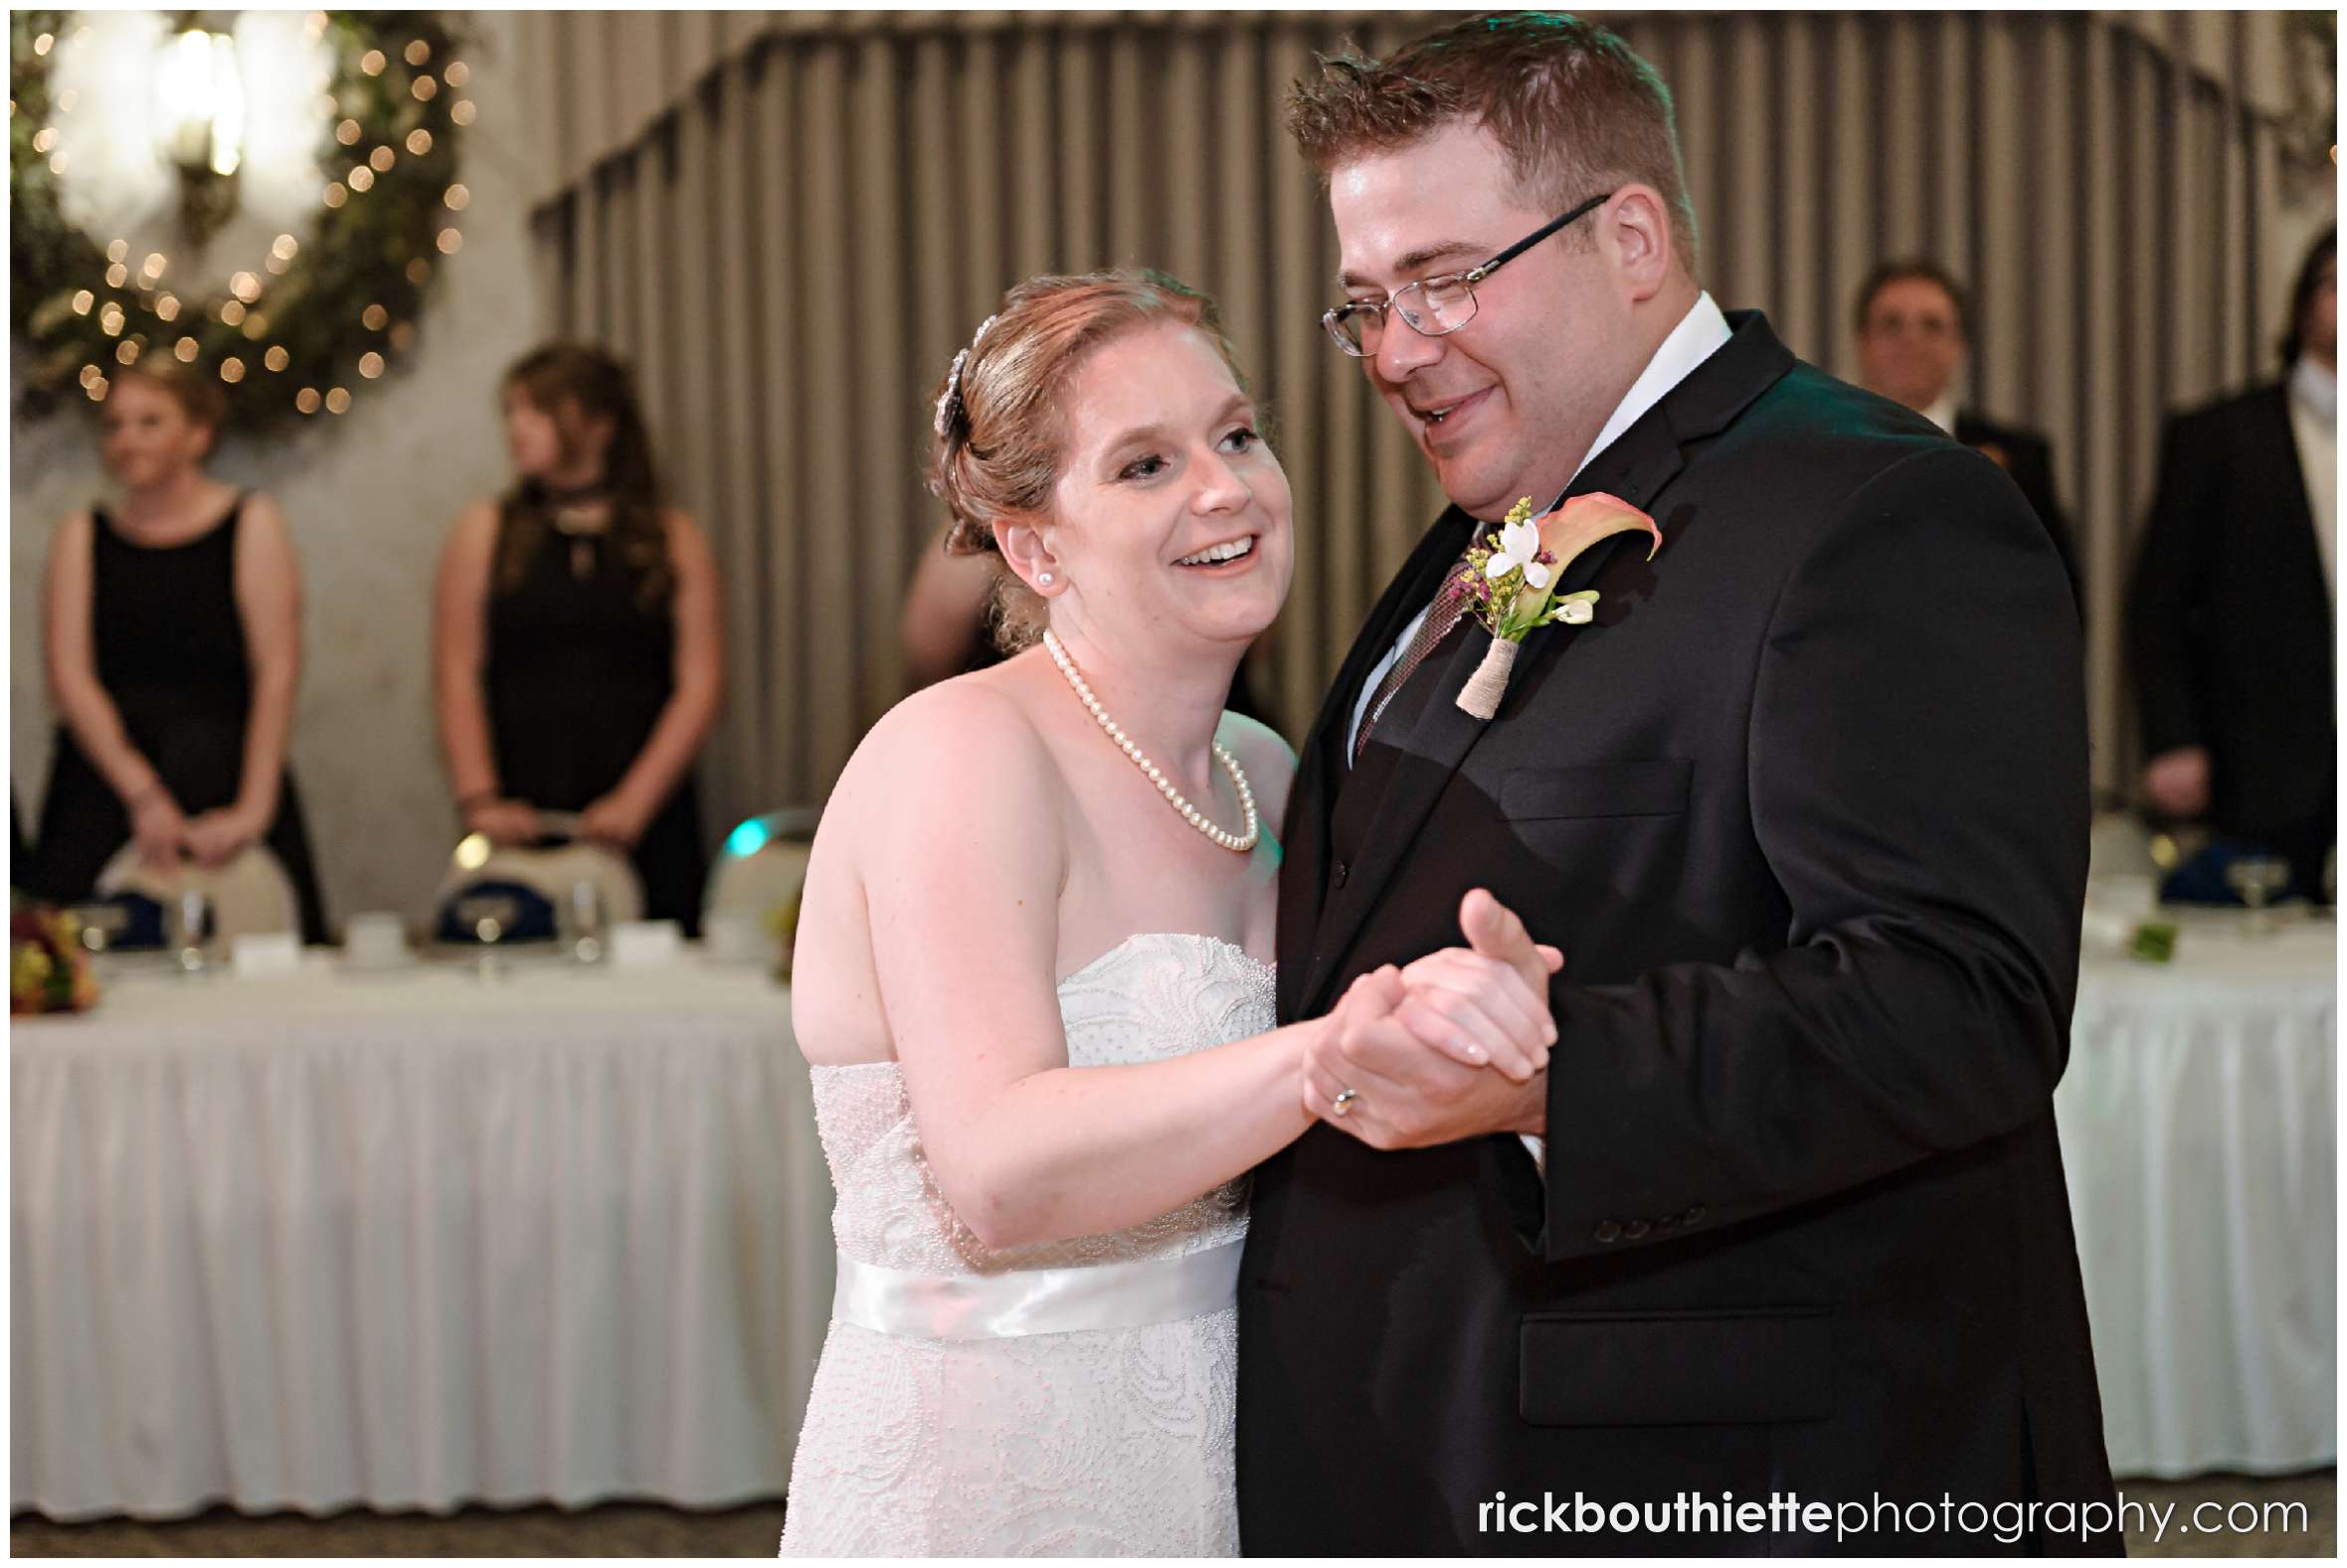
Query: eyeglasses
(1434, 306)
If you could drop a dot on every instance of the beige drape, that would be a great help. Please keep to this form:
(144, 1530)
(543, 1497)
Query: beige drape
(790, 222)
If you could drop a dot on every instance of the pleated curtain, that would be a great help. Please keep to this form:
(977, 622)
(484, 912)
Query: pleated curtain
(788, 222)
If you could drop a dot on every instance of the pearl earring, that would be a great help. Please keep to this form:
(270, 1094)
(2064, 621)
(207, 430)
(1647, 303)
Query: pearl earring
(1043, 578)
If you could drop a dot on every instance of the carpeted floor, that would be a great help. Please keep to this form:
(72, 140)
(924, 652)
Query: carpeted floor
(648, 1530)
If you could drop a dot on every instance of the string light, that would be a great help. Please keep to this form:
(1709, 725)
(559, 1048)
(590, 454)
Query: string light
(64, 100)
(245, 287)
(42, 44)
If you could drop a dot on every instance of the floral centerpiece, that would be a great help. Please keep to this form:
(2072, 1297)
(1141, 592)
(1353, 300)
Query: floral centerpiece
(48, 969)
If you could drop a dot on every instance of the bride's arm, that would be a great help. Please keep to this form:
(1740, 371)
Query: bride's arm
(963, 897)
(959, 816)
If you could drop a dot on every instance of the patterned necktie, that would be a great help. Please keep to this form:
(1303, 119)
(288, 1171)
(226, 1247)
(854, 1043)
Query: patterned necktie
(1449, 604)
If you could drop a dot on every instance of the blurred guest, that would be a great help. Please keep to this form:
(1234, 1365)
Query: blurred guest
(948, 626)
(952, 625)
(1914, 335)
(579, 656)
(173, 639)
(2230, 610)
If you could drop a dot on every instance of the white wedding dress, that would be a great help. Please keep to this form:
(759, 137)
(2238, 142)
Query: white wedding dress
(1069, 1398)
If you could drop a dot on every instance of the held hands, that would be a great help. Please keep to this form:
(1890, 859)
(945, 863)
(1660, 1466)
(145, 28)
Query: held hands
(1451, 1047)
(616, 821)
(504, 823)
(158, 829)
(217, 837)
(2177, 783)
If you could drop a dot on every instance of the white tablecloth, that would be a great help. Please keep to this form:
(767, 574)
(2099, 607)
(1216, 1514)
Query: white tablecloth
(2198, 1127)
(412, 1240)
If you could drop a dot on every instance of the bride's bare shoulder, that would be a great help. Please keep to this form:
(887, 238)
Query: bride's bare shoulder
(972, 737)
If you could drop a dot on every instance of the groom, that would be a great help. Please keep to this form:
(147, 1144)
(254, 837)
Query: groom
(1783, 1224)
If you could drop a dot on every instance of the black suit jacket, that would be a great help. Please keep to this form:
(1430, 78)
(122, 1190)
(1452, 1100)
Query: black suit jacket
(2230, 625)
(1806, 807)
(2029, 458)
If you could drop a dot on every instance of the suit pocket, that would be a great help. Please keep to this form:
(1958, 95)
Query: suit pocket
(1687, 1368)
(1655, 789)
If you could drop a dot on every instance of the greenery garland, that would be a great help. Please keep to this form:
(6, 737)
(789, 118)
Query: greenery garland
(300, 331)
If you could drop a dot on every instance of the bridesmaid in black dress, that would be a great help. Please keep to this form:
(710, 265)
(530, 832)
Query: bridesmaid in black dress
(173, 639)
(578, 656)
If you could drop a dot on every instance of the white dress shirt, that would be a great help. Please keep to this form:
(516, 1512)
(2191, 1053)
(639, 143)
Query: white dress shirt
(2314, 420)
(1943, 414)
(1700, 334)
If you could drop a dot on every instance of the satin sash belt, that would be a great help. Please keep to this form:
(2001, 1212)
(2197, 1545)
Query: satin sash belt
(1036, 1300)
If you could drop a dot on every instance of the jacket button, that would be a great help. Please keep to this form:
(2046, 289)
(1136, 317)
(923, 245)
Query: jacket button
(1343, 871)
(1636, 1229)
(1693, 1214)
(1607, 1232)
(1664, 1222)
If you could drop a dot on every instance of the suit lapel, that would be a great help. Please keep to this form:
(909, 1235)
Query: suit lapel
(1637, 466)
(1321, 763)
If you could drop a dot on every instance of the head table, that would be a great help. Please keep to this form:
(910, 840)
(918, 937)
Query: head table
(420, 1237)
(413, 1239)
(2199, 1131)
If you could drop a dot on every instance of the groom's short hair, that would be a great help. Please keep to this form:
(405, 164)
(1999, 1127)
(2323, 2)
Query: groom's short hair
(1573, 108)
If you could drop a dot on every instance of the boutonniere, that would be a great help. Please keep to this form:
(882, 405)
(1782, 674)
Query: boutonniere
(1510, 580)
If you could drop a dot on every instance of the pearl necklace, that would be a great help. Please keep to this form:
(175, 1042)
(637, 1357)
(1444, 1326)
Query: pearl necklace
(1239, 842)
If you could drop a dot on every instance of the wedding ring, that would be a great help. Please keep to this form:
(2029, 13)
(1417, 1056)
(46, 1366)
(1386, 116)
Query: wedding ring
(1344, 1100)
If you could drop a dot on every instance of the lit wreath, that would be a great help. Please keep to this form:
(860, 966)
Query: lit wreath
(265, 195)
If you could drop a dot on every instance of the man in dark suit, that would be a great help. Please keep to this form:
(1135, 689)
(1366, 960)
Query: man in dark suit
(1783, 1222)
(2230, 614)
(1913, 326)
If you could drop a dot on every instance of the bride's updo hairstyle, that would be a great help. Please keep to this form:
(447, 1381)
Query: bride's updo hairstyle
(999, 440)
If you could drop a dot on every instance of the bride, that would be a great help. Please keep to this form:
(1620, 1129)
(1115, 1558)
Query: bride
(1028, 978)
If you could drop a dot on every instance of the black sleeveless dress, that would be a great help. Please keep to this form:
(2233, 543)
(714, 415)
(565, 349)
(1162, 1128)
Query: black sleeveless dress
(169, 647)
(579, 670)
